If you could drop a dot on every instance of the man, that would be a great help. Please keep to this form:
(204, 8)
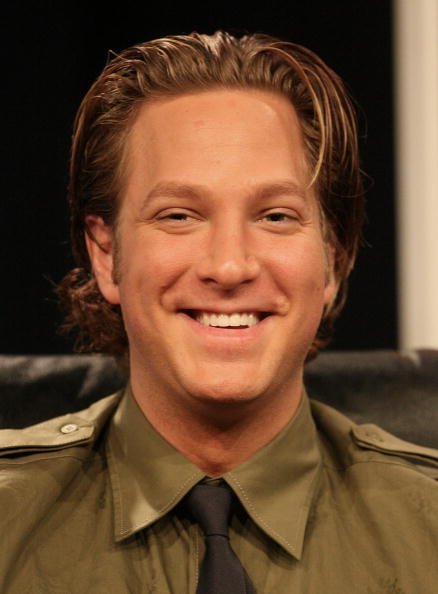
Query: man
(216, 213)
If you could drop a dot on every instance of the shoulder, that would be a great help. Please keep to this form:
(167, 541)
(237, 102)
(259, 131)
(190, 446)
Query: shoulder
(38, 463)
(377, 497)
(59, 433)
(347, 444)
(52, 476)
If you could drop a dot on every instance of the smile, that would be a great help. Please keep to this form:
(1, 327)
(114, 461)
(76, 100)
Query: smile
(224, 320)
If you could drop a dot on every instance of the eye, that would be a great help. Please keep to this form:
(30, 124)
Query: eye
(279, 217)
(177, 220)
(176, 216)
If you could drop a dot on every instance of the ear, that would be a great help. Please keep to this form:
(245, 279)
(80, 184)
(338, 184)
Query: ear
(99, 238)
(331, 282)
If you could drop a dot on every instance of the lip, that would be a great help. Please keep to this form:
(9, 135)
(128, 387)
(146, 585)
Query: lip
(236, 335)
(193, 311)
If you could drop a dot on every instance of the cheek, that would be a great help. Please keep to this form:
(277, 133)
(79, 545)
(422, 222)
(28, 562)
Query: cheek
(148, 267)
(301, 268)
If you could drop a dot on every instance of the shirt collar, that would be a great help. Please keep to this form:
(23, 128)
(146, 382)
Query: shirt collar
(148, 475)
(276, 486)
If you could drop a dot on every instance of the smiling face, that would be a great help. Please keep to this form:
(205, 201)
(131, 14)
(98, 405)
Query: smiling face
(221, 272)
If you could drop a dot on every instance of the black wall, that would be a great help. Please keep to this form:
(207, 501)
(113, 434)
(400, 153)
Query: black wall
(52, 54)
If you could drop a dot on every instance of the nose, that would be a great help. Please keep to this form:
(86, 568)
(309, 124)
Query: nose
(226, 261)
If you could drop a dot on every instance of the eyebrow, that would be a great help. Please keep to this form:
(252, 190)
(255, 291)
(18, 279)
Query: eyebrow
(194, 191)
(270, 190)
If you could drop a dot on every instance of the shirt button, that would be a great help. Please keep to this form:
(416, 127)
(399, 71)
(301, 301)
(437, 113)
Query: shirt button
(69, 428)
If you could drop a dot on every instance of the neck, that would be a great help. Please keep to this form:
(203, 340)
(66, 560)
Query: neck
(218, 437)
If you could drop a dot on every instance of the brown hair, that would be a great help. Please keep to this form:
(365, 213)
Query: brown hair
(178, 64)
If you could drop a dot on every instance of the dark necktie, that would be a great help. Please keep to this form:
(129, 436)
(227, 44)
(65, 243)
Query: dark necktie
(221, 571)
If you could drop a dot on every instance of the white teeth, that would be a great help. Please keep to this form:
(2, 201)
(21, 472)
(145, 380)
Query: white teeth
(237, 320)
(234, 320)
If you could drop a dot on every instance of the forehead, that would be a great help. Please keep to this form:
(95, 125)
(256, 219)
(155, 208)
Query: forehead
(223, 104)
(217, 136)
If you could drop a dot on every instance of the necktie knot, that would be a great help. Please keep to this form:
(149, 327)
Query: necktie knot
(210, 506)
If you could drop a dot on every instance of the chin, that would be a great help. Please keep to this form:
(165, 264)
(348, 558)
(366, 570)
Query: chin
(226, 393)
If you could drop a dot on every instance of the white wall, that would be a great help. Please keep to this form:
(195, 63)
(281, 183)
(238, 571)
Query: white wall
(416, 97)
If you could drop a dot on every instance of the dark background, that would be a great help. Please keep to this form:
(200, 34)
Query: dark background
(52, 54)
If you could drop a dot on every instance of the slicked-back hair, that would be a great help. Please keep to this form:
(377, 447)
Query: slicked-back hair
(175, 65)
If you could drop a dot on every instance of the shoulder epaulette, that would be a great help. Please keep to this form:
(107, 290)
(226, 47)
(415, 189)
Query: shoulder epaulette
(371, 437)
(73, 429)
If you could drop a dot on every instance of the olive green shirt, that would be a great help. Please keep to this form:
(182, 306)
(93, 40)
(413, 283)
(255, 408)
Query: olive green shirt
(90, 503)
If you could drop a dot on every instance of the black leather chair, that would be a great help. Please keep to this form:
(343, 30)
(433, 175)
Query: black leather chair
(396, 390)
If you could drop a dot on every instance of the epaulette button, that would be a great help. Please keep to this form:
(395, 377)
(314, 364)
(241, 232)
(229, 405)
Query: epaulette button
(69, 428)
(374, 435)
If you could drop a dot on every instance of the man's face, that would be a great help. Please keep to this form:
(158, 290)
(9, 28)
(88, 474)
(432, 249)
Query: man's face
(222, 272)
